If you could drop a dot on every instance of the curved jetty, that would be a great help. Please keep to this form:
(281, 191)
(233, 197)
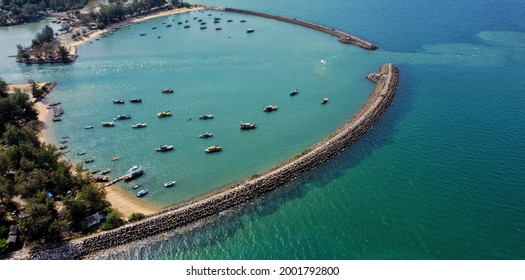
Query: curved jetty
(343, 37)
(210, 204)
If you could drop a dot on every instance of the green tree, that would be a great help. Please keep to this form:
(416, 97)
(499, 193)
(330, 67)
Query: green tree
(41, 222)
(136, 217)
(112, 221)
(3, 88)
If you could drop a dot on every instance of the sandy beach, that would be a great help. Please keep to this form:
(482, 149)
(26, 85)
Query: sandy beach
(126, 205)
(72, 44)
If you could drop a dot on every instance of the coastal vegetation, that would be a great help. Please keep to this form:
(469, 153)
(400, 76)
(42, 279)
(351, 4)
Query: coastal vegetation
(39, 193)
(13, 12)
(44, 49)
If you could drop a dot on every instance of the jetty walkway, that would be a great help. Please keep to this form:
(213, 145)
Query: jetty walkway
(343, 37)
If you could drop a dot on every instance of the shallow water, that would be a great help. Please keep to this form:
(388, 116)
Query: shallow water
(439, 177)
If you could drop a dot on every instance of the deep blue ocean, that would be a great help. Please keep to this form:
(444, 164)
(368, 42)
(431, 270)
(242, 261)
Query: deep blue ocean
(440, 176)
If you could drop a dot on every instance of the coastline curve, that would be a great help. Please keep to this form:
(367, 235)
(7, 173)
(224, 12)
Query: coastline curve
(386, 81)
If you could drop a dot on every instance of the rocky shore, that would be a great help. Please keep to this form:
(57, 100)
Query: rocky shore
(180, 215)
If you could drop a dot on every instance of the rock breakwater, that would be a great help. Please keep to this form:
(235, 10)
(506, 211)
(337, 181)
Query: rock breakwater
(183, 214)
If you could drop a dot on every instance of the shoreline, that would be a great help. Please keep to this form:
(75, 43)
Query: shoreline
(386, 81)
(72, 44)
(125, 205)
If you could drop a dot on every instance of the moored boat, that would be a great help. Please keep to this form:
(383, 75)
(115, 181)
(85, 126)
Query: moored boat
(270, 108)
(122, 117)
(81, 153)
(56, 119)
(101, 178)
(137, 186)
(324, 101)
(164, 114)
(212, 149)
(118, 101)
(135, 100)
(251, 30)
(164, 148)
(138, 125)
(245, 125)
(134, 172)
(142, 192)
(167, 90)
(88, 127)
(89, 160)
(169, 183)
(294, 92)
(105, 171)
(206, 135)
(206, 117)
(108, 124)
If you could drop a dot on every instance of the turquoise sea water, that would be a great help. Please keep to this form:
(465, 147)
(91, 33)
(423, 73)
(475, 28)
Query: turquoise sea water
(439, 177)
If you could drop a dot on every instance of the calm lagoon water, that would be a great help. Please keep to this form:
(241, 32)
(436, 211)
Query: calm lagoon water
(439, 177)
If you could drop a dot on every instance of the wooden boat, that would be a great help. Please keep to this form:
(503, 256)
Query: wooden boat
(135, 100)
(89, 160)
(169, 183)
(324, 101)
(206, 135)
(137, 186)
(212, 149)
(81, 153)
(142, 193)
(164, 114)
(138, 125)
(105, 171)
(108, 124)
(122, 117)
(88, 127)
(167, 90)
(270, 108)
(204, 27)
(164, 148)
(114, 158)
(294, 92)
(247, 125)
(251, 30)
(56, 119)
(206, 117)
(118, 101)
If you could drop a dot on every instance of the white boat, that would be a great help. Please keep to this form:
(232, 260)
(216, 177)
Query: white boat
(142, 192)
(170, 183)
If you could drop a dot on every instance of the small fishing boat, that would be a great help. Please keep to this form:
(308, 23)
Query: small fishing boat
(101, 178)
(164, 114)
(142, 34)
(142, 193)
(169, 183)
(62, 141)
(204, 27)
(89, 160)
(63, 147)
(169, 25)
(251, 30)
(186, 26)
(105, 171)
(88, 127)
(167, 90)
(206, 117)
(243, 20)
(81, 153)
(154, 27)
(135, 100)
(54, 104)
(122, 117)
(56, 119)
(108, 124)
(95, 171)
(179, 23)
(270, 108)
(324, 101)
(118, 101)
(206, 135)
(218, 28)
(245, 125)
(114, 158)
(212, 149)
(164, 148)
(138, 125)
(137, 186)
(294, 92)
(134, 173)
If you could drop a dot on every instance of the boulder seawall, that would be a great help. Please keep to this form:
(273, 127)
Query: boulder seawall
(343, 37)
(210, 204)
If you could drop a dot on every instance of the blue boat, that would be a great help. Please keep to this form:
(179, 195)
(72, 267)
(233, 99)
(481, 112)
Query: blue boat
(142, 192)
(134, 172)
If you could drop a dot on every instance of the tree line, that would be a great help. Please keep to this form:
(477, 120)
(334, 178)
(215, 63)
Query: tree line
(43, 49)
(24, 11)
(56, 199)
